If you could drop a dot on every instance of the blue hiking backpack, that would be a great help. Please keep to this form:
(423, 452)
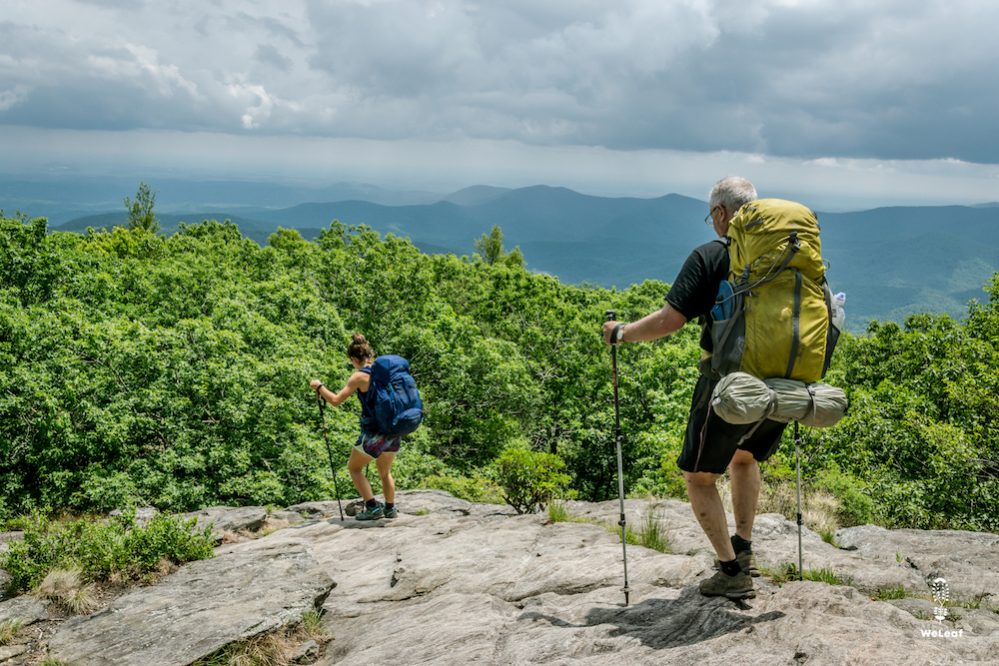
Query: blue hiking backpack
(394, 398)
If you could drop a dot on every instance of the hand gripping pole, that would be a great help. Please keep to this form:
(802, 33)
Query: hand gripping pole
(611, 316)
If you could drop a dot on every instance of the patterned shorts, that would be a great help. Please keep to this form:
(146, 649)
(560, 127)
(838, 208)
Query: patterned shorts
(374, 444)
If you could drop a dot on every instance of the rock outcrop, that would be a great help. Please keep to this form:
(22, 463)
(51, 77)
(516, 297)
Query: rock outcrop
(449, 582)
(246, 590)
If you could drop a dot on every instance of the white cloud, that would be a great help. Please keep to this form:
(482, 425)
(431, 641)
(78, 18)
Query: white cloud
(9, 98)
(823, 80)
(134, 62)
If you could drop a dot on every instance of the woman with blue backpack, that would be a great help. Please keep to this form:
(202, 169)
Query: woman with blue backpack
(390, 408)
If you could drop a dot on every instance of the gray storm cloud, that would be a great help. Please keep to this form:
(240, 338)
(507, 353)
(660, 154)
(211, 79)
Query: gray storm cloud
(807, 78)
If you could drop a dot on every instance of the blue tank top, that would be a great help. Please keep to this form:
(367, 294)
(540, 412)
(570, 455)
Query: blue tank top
(367, 414)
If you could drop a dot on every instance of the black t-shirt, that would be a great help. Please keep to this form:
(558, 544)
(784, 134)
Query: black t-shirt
(696, 285)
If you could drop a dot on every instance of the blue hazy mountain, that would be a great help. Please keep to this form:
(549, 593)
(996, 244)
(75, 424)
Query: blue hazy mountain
(476, 194)
(890, 261)
(64, 198)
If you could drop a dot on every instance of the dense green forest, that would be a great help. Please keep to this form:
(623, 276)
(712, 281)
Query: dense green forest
(138, 369)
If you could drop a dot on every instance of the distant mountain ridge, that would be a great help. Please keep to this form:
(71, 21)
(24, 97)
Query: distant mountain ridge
(891, 261)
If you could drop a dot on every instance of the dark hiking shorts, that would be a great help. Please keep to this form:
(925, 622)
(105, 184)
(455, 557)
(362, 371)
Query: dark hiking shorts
(374, 444)
(711, 442)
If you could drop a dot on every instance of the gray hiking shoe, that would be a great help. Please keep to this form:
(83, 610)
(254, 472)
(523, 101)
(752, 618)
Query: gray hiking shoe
(374, 513)
(739, 586)
(746, 562)
(391, 513)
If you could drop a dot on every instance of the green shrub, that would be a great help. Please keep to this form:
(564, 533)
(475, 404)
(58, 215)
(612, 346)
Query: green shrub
(101, 550)
(477, 489)
(412, 466)
(529, 479)
(857, 508)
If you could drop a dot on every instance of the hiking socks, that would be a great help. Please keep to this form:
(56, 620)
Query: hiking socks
(731, 567)
(371, 503)
(740, 544)
(389, 506)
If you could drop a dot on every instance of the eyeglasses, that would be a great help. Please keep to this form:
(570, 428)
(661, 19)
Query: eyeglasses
(709, 218)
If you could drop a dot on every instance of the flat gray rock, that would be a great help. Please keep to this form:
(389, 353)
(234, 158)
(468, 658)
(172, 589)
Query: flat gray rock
(466, 584)
(228, 519)
(246, 590)
(11, 651)
(871, 558)
(284, 516)
(319, 509)
(25, 608)
(969, 561)
(453, 582)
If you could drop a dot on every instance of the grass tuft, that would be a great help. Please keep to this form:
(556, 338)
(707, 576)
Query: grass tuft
(557, 512)
(9, 629)
(887, 593)
(66, 588)
(829, 537)
(274, 649)
(312, 625)
(652, 533)
(789, 572)
(975, 603)
(827, 576)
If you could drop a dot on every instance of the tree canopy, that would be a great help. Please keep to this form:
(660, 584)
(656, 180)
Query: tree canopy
(173, 371)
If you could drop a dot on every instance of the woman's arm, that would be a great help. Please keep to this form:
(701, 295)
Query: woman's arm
(358, 380)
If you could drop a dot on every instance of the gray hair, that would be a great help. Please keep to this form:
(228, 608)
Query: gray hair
(732, 192)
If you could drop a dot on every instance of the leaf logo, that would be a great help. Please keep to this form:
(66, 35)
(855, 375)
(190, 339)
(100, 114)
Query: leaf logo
(941, 595)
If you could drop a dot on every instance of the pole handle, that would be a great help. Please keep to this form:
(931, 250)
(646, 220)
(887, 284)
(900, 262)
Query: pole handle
(611, 315)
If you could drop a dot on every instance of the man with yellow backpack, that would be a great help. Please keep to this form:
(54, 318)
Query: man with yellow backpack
(759, 292)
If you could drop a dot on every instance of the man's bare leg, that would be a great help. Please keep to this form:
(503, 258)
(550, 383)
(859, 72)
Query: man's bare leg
(707, 506)
(745, 475)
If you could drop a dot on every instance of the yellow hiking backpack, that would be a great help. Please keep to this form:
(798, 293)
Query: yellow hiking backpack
(772, 316)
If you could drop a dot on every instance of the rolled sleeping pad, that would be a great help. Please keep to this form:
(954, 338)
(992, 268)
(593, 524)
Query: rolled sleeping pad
(741, 398)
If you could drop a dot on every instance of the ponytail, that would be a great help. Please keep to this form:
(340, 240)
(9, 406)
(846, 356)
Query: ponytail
(359, 348)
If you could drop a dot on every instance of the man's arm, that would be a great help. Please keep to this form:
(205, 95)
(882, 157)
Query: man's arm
(653, 326)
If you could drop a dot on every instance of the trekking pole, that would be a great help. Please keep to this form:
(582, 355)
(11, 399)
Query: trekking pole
(620, 464)
(797, 464)
(329, 451)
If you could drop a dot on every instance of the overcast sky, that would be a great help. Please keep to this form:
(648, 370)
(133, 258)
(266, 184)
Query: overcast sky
(840, 101)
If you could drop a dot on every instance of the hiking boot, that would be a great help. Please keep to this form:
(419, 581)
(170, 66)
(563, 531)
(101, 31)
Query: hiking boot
(374, 513)
(739, 586)
(391, 513)
(746, 562)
